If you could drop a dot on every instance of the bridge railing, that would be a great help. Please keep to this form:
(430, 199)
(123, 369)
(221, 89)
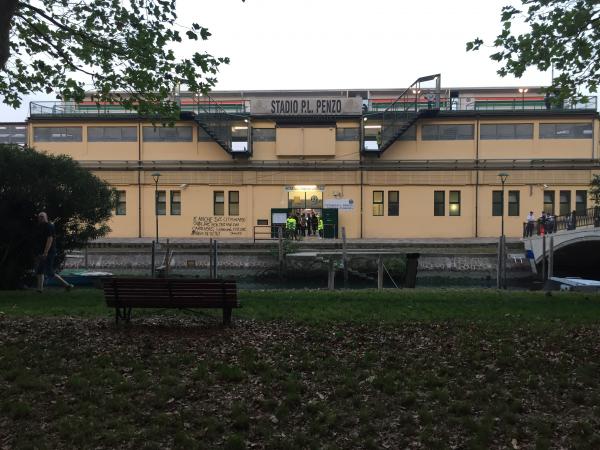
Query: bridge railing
(551, 224)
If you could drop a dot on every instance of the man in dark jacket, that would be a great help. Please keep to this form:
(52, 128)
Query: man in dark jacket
(46, 253)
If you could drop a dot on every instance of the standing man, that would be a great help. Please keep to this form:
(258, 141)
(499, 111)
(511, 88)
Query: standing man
(47, 253)
(530, 224)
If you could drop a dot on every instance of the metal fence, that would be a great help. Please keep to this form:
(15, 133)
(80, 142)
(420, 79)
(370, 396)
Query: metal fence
(552, 224)
(270, 233)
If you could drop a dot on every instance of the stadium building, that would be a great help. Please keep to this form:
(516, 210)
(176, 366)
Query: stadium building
(383, 163)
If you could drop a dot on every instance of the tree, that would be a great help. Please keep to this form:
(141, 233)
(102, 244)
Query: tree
(78, 202)
(563, 34)
(122, 47)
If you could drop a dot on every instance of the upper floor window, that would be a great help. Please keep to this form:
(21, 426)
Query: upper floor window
(57, 134)
(121, 209)
(439, 203)
(454, 203)
(112, 134)
(378, 203)
(447, 132)
(167, 134)
(565, 130)
(347, 134)
(506, 131)
(263, 134)
(393, 203)
(175, 203)
(161, 203)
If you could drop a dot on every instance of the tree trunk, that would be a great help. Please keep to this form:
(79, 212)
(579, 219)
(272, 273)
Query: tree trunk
(7, 11)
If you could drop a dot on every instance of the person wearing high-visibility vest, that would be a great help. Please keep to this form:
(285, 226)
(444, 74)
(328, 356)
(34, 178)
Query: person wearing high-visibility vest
(320, 228)
(290, 226)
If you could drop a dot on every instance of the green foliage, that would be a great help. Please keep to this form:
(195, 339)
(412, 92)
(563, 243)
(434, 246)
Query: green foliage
(78, 203)
(595, 190)
(562, 33)
(123, 48)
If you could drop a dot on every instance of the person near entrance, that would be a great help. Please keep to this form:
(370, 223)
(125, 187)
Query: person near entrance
(46, 253)
(320, 227)
(314, 223)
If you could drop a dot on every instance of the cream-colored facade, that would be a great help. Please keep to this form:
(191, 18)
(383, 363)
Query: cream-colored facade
(206, 191)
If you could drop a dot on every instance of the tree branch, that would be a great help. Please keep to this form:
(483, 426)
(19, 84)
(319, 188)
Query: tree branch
(8, 9)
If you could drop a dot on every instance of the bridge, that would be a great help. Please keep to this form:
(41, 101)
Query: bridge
(574, 244)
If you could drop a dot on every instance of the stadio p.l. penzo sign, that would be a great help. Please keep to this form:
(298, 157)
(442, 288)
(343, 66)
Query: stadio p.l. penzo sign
(306, 106)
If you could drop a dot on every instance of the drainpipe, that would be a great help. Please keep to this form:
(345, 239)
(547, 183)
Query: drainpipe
(139, 174)
(477, 178)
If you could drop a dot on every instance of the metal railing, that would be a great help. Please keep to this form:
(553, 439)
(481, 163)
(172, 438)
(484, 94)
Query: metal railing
(403, 111)
(270, 232)
(552, 224)
(217, 121)
(485, 104)
(76, 109)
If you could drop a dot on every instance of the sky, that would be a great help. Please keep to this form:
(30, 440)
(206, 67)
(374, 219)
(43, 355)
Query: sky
(342, 44)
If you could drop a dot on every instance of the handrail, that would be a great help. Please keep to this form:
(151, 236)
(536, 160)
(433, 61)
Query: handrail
(551, 224)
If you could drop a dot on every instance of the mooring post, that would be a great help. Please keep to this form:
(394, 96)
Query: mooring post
(379, 272)
(344, 257)
(544, 258)
(210, 258)
(551, 258)
(504, 260)
(167, 259)
(281, 261)
(152, 260)
(215, 262)
(499, 265)
(331, 275)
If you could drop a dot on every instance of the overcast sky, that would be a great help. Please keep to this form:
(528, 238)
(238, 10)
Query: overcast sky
(343, 44)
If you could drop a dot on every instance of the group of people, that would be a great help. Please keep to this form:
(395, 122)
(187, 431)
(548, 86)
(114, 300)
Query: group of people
(304, 224)
(546, 223)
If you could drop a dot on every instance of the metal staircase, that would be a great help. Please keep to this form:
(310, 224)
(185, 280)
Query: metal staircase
(407, 109)
(219, 124)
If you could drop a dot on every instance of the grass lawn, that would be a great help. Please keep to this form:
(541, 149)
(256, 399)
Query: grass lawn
(304, 369)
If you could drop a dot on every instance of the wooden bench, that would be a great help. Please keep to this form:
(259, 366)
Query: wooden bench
(126, 293)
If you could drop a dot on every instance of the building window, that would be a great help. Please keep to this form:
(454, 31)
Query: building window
(263, 134)
(175, 203)
(13, 134)
(497, 203)
(549, 202)
(581, 202)
(161, 203)
(347, 134)
(305, 199)
(167, 134)
(439, 203)
(507, 131)
(514, 200)
(234, 203)
(565, 203)
(455, 203)
(446, 132)
(378, 203)
(57, 134)
(219, 203)
(112, 134)
(121, 203)
(565, 131)
(393, 203)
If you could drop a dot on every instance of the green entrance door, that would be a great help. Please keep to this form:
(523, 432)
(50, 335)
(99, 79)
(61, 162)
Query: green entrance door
(330, 223)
